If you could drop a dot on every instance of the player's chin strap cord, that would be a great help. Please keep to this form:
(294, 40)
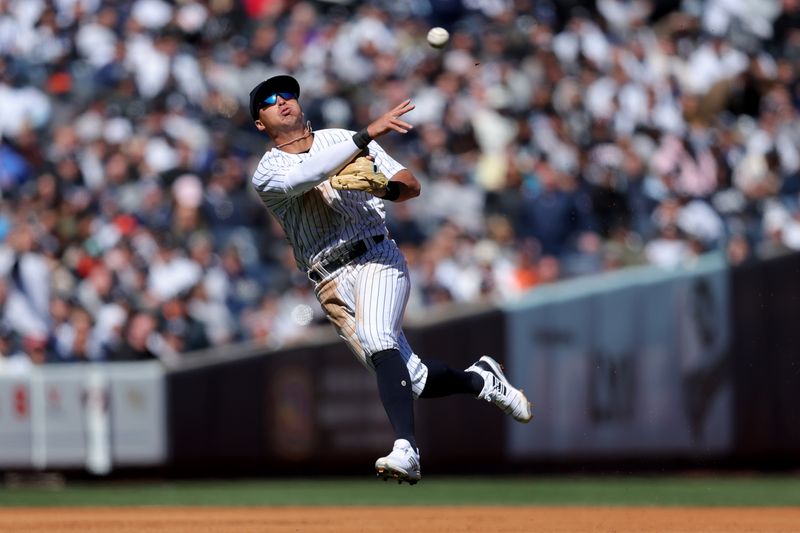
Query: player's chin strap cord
(308, 132)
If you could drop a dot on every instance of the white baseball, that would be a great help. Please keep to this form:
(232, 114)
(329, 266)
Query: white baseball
(438, 37)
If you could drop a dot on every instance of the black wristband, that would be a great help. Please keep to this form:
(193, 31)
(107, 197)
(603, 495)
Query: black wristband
(362, 138)
(392, 191)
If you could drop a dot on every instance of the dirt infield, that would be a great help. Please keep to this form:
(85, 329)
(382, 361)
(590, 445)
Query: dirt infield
(405, 519)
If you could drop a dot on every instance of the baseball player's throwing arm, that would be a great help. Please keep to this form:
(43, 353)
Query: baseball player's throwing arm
(317, 168)
(404, 185)
(390, 121)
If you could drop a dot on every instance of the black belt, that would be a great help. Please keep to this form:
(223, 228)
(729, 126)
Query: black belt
(344, 255)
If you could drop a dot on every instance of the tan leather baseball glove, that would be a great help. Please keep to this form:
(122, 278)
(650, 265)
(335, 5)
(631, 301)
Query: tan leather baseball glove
(361, 174)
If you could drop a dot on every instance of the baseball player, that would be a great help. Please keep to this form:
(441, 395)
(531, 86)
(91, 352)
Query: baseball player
(327, 189)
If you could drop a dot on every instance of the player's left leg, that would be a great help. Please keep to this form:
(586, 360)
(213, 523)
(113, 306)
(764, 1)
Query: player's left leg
(400, 376)
(381, 291)
(395, 390)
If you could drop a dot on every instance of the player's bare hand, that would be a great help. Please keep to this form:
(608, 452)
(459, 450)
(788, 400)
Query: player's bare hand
(390, 121)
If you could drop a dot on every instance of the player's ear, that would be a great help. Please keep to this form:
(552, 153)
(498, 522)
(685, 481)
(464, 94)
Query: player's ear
(260, 125)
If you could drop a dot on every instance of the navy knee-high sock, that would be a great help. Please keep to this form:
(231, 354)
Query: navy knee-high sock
(394, 387)
(445, 381)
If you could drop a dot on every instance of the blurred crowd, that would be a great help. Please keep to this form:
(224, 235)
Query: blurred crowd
(553, 139)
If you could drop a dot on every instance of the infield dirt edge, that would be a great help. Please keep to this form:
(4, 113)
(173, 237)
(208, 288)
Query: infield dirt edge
(376, 519)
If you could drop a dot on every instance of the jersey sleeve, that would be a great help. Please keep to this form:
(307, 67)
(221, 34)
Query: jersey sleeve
(385, 163)
(269, 178)
(284, 175)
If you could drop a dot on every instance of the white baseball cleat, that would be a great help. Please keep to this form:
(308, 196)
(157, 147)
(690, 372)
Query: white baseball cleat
(497, 390)
(401, 464)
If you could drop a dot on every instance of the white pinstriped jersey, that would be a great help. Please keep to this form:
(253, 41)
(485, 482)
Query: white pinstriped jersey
(366, 298)
(323, 218)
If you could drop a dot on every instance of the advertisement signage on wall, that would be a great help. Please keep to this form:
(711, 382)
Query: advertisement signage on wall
(137, 410)
(632, 365)
(83, 416)
(15, 421)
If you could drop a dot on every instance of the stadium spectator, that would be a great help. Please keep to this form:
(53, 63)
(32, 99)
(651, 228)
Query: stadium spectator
(553, 139)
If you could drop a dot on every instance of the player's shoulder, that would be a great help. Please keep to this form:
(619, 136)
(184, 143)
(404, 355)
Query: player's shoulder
(334, 134)
(334, 131)
(270, 163)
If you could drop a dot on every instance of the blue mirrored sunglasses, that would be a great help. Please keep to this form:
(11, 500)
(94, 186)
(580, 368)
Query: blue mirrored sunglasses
(271, 99)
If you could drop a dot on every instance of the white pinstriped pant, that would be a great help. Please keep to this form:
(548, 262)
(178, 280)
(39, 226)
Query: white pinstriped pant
(365, 300)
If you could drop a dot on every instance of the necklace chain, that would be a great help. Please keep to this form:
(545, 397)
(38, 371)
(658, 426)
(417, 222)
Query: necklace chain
(308, 132)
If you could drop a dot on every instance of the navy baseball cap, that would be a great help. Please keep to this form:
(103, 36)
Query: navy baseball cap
(270, 86)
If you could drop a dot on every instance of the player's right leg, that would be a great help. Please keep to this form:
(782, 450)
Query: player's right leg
(484, 379)
(497, 390)
(446, 381)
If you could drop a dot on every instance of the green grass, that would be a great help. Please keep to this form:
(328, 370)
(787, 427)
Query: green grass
(660, 491)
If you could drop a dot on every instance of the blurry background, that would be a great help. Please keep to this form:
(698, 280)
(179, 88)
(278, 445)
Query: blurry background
(611, 206)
